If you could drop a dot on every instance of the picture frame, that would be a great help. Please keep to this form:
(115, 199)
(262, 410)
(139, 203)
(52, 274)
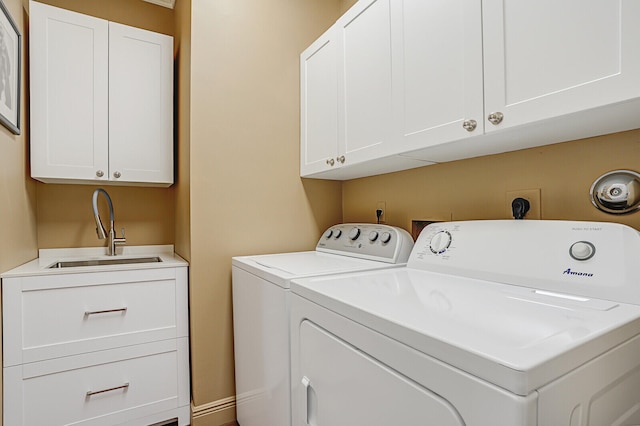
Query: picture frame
(10, 71)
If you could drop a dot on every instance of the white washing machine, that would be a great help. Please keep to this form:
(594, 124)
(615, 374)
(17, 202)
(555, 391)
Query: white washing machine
(261, 300)
(491, 323)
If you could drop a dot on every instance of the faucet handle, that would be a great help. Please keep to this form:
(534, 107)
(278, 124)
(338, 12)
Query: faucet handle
(119, 241)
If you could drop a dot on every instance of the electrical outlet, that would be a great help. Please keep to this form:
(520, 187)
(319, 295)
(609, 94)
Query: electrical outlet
(531, 195)
(382, 205)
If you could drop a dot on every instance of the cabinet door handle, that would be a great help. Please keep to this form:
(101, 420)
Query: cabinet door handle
(331, 161)
(117, 174)
(99, 173)
(470, 125)
(341, 159)
(106, 311)
(125, 386)
(495, 118)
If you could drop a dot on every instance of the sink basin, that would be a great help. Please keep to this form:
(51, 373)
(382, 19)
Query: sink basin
(100, 262)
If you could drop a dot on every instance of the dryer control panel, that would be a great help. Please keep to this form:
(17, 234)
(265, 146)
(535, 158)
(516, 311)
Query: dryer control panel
(592, 259)
(379, 242)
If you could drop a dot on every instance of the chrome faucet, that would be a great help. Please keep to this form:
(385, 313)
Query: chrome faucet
(113, 240)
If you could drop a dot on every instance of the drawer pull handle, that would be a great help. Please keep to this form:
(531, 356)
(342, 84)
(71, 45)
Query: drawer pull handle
(125, 386)
(108, 311)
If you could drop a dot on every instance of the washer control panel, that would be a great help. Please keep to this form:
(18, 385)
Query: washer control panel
(368, 241)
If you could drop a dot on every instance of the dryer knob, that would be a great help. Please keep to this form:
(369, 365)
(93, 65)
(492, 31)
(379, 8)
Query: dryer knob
(440, 242)
(373, 235)
(354, 233)
(337, 234)
(328, 234)
(385, 237)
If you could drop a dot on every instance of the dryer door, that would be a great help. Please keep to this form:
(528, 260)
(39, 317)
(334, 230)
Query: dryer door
(346, 387)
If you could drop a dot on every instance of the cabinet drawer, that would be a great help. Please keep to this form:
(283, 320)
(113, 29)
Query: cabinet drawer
(103, 388)
(70, 316)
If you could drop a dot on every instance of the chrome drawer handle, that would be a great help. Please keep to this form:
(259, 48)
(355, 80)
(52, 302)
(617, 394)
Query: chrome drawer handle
(125, 386)
(108, 311)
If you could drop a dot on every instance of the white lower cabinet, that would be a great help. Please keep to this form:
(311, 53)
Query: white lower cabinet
(99, 349)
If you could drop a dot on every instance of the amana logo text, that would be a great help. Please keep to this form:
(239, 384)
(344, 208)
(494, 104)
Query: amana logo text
(568, 271)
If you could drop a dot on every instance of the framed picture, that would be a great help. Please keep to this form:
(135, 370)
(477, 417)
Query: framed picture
(10, 69)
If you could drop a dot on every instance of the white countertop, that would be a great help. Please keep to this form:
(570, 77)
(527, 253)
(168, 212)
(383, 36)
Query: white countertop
(47, 257)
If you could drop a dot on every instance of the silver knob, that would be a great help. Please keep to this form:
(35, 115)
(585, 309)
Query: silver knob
(385, 237)
(354, 233)
(341, 159)
(116, 174)
(330, 161)
(470, 125)
(99, 173)
(495, 118)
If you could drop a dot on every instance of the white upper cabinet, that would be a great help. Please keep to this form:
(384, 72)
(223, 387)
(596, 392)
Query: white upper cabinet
(69, 64)
(319, 105)
(101, 100)
(437, 71)
(443, 80)
(346, 97)
(364, 86)
(140, 105)
(546, 58)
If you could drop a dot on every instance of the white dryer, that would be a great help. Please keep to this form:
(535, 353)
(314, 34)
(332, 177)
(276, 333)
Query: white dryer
(491, 323)
(261, 300)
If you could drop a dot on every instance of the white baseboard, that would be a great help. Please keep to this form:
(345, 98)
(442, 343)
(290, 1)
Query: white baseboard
(215, 413)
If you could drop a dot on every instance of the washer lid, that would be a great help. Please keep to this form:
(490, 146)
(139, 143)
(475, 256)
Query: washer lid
(280, 268)
(515, 337)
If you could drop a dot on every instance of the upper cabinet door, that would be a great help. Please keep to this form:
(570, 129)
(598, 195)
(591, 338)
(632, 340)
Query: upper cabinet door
(68, 55)
(319, 105)
(437, 78)
(364, 86)
(547, 58)
(140, 105)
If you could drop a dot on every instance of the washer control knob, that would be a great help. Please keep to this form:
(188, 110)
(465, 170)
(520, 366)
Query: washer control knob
(354, 233)
(440, 242)
(328, 233)
(373, 235)
(337, 234)
(385, 237)
(582, 250)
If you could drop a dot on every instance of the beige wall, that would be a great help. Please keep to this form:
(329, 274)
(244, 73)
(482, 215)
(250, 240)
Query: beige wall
(346, 4)
(246, 194)
(182, 187)
(17, 193)
(476, 188)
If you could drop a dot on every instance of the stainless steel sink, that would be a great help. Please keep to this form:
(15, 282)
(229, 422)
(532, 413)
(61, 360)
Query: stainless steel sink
(100, 262)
